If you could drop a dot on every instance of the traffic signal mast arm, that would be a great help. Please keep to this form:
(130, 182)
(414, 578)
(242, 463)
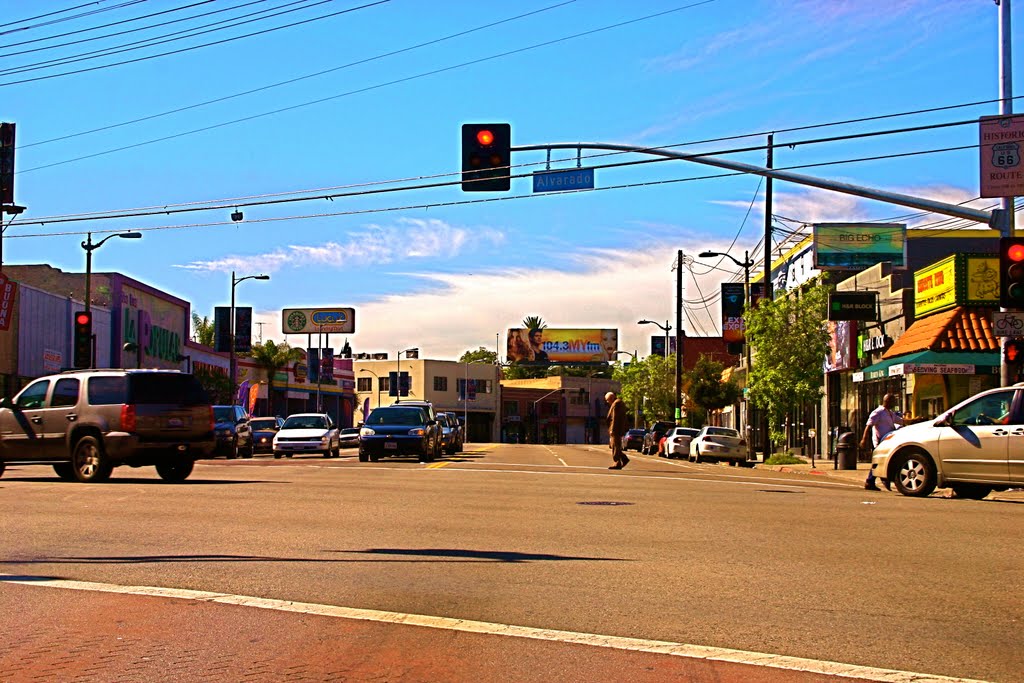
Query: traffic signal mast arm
(998, 219)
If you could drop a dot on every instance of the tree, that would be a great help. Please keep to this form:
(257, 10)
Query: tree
(534, 322)
(705, 391)
(789, 342)
(273, 358)
(217, 384)
(481, 355)
(649, 383)
(203, 329)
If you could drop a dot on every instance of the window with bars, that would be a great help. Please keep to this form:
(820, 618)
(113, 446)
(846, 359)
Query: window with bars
(440, 383)
(364, 384)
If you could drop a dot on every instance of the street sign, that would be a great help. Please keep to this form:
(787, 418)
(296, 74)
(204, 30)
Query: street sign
(560, 181)
(853, 306)
(1008, 324)
(1002, 141)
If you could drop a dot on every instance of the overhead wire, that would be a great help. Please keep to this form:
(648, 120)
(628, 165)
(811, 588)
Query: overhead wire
(197, 47)
(90, 13)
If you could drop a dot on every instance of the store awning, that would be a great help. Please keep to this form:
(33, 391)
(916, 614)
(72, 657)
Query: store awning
(932, 363)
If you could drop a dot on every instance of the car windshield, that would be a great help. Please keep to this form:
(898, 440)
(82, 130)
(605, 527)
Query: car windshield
(223, 413)
(722, 431)
(263, 423)
(349, 431)
(305, 422)
(397, 416)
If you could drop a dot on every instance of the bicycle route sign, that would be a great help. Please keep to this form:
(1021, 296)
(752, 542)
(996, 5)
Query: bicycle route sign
(1008, 324)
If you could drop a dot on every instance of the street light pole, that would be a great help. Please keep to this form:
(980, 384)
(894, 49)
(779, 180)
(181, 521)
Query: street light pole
(377, 377)
(398, 372)
(666, 327)
(232, 362)
(89, 248)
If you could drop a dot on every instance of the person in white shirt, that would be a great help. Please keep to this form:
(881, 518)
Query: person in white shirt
(881, 421)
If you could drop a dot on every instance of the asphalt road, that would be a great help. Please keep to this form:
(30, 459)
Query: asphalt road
(546, 538)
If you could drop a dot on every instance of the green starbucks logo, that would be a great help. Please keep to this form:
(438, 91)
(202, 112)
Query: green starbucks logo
(296, 321)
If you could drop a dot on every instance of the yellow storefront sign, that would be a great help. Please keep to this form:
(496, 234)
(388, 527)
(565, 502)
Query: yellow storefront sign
(956, 280)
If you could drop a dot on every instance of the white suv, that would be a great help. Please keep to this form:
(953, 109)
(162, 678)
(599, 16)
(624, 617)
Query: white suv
(975, 447)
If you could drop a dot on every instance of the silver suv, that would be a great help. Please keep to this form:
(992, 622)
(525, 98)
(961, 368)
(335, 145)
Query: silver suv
(87, 422)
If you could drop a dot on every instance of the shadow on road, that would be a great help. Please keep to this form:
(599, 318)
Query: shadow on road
(492, 555)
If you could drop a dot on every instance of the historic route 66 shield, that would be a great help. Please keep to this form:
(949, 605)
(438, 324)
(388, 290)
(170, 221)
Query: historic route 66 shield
(1006, 155)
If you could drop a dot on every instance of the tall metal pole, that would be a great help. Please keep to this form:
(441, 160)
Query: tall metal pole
(766, 444)
(88, 271)
(232, 366)
(1008, 227)
(748, 295)
(319, 362)
(678, 398)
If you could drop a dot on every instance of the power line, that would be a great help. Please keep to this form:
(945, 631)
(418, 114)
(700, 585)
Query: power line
(293, 80)
(71, 18)
(197, 47)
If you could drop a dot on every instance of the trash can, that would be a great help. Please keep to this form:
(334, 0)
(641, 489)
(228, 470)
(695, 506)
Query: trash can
(846, 451)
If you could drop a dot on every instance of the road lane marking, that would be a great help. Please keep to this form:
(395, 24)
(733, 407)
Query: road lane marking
(659, 647)
(437, 465)
(552, 452)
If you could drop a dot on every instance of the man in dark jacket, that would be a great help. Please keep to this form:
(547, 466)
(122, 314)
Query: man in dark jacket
(616, 429)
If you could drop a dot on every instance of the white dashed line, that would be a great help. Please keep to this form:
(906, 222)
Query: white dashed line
(661, 647)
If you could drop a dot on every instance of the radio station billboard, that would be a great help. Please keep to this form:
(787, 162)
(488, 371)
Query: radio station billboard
(565, 346)
(315, 320)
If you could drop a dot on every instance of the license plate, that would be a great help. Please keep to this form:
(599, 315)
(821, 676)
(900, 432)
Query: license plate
(390, 445)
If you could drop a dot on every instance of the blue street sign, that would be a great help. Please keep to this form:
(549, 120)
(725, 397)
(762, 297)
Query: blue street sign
(560, 181)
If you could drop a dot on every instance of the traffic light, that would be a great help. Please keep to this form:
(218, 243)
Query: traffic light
(83, 339)
(1013, 350)
(486, 157)
(1011, 272)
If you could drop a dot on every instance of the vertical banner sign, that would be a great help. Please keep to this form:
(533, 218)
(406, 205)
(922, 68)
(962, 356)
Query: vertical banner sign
(243, 329)
(222, 329)
(327, 365)
(6, 163)
(254, 392)
(7, 291)
(732, 312)
(392, 384)
(313, 359)
(243, 394)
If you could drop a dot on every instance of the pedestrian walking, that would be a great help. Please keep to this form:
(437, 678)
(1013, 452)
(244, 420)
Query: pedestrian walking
(881, 421)
(616, 429)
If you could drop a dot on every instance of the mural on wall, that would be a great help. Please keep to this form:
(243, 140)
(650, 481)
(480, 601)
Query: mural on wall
(155, 324)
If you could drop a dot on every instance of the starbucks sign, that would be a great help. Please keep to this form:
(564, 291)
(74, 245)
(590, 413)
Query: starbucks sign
(313, 320)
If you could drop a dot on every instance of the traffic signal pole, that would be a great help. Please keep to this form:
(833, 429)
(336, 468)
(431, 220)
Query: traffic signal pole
(1007, 222)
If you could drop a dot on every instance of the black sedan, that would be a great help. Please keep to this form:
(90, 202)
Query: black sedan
(263, 430)
(634, 439)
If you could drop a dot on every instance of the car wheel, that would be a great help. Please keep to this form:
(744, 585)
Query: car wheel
(250, 451)
(696, 456)
(65, 471)
(89, 462)
(374, 457)
(277, 456)
(914, 474)
(364, 457)
(971, 491)
(2, 468)
(233, 453)
(175, 471)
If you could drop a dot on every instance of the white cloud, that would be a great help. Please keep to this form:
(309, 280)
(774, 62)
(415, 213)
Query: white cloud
(373, 244)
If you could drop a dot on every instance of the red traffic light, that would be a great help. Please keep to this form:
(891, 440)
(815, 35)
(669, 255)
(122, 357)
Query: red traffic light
(1015, 252)
(485, 137)
(1013, 351)
(83, 319)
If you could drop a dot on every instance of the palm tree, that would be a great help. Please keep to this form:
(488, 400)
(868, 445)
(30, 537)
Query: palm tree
(204, 329)
(272, 358)
(534, 322)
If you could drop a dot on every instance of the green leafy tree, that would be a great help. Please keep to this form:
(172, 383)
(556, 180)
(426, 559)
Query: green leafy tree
(705, 391)
(203, 329)
(534, 322)
(649, 384)
(217, 385)
(789, 342)
(273, 358)
(480, 355)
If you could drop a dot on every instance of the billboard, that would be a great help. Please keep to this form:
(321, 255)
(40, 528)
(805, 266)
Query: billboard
(957, 280)
(732, 312)
(567, 346)
(842, 346)
(314, 320)
(856, 246)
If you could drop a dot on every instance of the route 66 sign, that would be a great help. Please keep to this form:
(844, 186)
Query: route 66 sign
(1000, 141)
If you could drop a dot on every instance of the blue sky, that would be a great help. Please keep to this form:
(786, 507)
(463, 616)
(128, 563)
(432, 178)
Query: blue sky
(451, 278)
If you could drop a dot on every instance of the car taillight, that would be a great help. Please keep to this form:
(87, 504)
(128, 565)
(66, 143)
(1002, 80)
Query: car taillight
(128, 417)
(213, 420)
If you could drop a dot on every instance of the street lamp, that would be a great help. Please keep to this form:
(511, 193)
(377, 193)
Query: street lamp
(232, 363)
(536, 417)
(89, 248)
(398, 371)
(665, 327)
(378, 384)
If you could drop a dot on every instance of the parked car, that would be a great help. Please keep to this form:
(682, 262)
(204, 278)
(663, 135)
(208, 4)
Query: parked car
(400, 429)
(307, 433)
(975, 447)
(84, 423)
(459, 430)
(349, 437)
(451, 433)
(713, 444)
(263, 431)
(678, 442)
(634, 439)
(233, 432)
(653, 436)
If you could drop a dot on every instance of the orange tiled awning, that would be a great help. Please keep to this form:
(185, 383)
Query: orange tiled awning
(961, 329)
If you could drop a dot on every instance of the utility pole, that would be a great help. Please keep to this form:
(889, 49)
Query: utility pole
(1008, 227)
(678, 398)
(766, 443)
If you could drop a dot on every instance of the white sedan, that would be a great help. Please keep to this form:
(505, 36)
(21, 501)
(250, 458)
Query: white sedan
(718, 443)
(678, 442)
(307, 433)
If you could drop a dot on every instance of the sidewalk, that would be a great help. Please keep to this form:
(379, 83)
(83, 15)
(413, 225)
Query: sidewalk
(823, 467)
